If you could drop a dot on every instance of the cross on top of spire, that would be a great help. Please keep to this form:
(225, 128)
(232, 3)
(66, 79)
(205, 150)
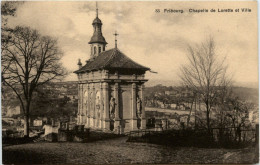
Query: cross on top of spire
(116, 34)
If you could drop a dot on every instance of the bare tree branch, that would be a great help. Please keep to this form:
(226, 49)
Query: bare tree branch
(204, 74)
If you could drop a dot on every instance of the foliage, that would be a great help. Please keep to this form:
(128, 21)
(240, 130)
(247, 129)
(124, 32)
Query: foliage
(47, 104)
(8, 8)
(238, 112)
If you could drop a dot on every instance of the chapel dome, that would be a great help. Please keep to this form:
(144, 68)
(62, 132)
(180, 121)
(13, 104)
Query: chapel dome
(97, 21)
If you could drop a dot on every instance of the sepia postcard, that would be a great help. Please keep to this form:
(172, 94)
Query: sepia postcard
(129, 82)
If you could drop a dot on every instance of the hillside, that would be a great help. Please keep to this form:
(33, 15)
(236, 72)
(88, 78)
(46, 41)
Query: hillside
(244, 93)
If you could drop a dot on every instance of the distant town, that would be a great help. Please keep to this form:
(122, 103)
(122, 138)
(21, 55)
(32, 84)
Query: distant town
(59, 101)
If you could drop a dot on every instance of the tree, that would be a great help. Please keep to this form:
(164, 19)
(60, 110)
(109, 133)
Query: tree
(28, 61)
(205, 74)
(46, 103)
(238, 113)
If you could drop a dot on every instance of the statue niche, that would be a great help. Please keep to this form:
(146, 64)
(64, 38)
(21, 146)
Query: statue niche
(86, 102)
(112, 106)
(98, 104)
(138, 107)
(91, 105)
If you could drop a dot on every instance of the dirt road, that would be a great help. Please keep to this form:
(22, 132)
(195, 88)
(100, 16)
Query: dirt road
(117, 151)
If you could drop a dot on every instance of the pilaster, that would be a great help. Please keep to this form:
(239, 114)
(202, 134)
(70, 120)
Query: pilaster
(88, 106)
(106, 120)
(134, 118)
(143, 121)
(93, 103)
(82, 106)
(83, 103)
(117, 118)
(101, 105)
(78, 114)
(117, 101)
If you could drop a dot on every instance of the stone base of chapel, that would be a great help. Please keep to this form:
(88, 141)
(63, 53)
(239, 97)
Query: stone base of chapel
(119, 126)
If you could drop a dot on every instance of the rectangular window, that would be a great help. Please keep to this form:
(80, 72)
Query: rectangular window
(99, 49)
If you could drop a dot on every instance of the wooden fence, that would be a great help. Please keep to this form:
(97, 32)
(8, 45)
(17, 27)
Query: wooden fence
(217, 134)
(235, 134)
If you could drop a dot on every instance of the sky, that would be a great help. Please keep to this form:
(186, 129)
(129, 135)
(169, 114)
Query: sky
(156, 40)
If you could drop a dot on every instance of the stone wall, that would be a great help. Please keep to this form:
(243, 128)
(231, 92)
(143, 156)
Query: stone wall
(95, 95)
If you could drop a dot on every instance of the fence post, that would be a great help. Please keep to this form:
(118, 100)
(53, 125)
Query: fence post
(52, 122)
(67, 126)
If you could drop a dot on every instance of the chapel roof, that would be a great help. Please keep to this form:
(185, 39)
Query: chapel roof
(111, 59)
(97, 21)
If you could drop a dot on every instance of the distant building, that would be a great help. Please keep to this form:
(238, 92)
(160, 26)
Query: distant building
(181, 107)
(72, 97)
(11, 111)
(37, 122)
(171, 93)
(173, 106)
(176, 118)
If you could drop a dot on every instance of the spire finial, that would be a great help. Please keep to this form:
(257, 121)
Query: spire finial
(79, 63)
(116, 34)
(96, 9)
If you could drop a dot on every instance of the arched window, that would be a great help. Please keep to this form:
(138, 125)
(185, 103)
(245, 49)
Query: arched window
(99, 49)
(95, 50)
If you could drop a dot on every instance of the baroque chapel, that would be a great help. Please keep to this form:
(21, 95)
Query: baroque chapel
(110, 88)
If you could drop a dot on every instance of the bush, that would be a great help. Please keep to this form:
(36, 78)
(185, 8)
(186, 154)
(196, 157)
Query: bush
(185, 138)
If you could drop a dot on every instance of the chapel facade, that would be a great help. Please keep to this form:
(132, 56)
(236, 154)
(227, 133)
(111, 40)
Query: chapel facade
(110, 88)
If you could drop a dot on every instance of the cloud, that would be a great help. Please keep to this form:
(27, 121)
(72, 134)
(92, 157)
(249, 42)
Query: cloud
(154, 40)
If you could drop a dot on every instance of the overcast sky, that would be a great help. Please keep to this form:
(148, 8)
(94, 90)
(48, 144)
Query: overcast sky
(155, 40)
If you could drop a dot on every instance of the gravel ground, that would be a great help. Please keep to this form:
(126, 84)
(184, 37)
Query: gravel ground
(117, 151)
